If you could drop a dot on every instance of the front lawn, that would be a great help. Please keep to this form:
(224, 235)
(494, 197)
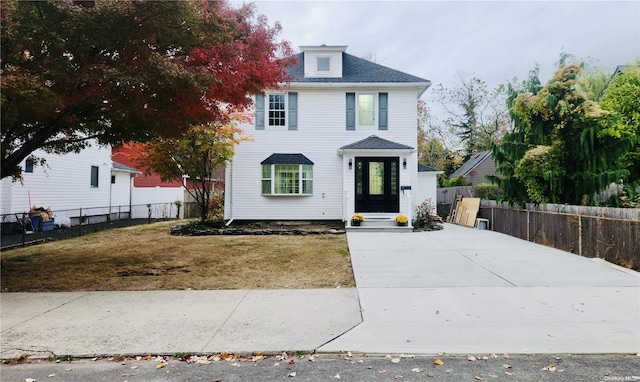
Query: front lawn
(148, 258)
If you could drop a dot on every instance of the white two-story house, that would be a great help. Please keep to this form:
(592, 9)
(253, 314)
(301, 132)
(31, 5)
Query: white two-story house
(340, 138)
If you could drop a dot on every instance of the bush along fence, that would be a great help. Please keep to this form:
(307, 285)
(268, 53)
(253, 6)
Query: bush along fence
(612, 234)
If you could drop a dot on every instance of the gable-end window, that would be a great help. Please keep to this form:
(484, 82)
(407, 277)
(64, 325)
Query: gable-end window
(28, 165)
(323, 64)
(287, 174)
(94, 176)
(277, 109)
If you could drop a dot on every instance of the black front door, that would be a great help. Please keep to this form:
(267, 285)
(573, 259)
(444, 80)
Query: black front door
(377, 185)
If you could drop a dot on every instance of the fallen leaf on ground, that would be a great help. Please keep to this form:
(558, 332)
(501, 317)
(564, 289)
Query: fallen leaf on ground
(276, 364)
(471, 358)
(506, 356)
(438, 362)
(416, 370)
(134, 367)
(337, 376)
(478, 378)
(506, 366)
(291, 362)
(349, 354)
(382, 371)
(51, 375)
(30, 380)
(398, 376)
(507, 373)
(291, 374)
(395, 360)
(160, 365)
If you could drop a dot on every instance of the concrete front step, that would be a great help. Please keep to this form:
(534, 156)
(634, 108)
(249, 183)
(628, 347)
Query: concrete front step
(383, 224)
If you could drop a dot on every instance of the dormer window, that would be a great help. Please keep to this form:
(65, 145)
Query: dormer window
(323, 64)
(323, 61)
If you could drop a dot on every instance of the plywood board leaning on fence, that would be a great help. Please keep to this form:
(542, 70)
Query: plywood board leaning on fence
(467, 211)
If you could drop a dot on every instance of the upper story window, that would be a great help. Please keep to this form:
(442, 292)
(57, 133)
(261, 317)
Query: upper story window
(367, 110)
(276, 110)
(323, 64)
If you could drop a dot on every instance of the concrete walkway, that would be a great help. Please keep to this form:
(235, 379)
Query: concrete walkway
(458, 290)
(462, 290)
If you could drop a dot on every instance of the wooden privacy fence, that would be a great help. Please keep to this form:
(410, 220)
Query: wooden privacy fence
(615, 240)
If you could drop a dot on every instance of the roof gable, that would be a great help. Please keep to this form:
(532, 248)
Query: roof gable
(472, 163)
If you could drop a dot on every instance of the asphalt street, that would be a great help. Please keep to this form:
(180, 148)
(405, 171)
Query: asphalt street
(326, 367)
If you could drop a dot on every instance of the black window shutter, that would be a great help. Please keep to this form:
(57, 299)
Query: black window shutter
(351, 111)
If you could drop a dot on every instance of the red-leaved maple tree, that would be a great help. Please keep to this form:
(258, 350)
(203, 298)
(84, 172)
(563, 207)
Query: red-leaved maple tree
(74, 72)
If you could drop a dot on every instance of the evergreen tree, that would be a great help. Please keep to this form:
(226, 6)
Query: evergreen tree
(564, 148)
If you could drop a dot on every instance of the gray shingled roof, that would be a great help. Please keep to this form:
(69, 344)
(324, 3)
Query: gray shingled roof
(120, 167)
(355, 69)
(472, 163)
(286, 159)
(373, 142)
(425, 168)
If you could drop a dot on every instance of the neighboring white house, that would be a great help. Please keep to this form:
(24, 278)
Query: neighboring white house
(89, 183)
(74, 180)
(340, 138)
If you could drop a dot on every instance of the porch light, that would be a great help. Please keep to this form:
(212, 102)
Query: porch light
(350, 163)
(404, 163)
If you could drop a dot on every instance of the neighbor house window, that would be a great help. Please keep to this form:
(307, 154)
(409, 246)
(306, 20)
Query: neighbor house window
(113, 179)
(287, 174)
(94, 176)
(277, 110)
(28, 165)
(323, 64)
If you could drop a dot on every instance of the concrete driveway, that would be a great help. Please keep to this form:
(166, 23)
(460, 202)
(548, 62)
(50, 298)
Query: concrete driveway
(462, 290)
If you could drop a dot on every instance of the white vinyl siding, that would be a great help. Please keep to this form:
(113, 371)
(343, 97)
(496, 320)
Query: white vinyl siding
(321, 132)
(63, 183)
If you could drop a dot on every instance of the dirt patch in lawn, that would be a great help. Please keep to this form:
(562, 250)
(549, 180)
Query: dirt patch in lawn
(149, 258)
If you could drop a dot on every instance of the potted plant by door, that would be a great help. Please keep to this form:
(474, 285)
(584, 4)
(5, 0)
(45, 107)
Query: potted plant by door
(356, 219)
(402, 220)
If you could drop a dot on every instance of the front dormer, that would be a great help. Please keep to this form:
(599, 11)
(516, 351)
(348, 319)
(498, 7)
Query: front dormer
(323, 61)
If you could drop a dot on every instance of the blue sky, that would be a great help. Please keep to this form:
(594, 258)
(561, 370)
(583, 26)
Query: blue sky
(494, 40)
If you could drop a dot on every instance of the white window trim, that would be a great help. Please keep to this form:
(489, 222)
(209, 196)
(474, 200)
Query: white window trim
(272, 180)
(374, 126)
(286, 111)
